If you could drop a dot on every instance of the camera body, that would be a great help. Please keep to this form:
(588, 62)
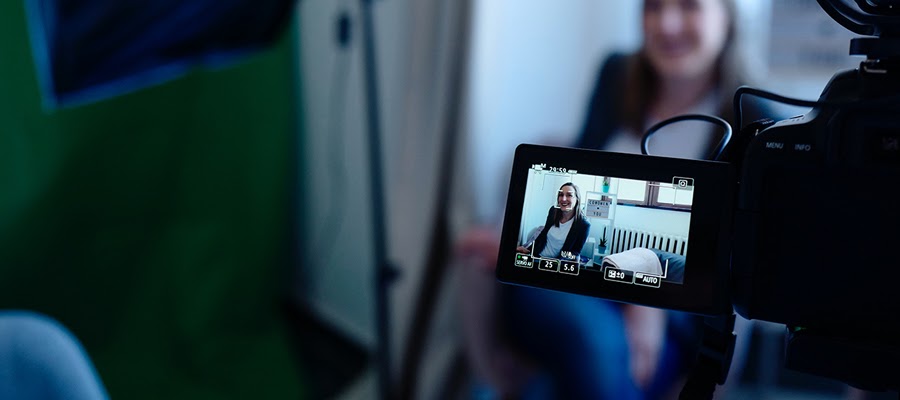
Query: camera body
(817, 217)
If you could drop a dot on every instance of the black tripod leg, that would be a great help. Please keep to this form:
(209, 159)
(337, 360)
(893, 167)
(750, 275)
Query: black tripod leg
(713, 359)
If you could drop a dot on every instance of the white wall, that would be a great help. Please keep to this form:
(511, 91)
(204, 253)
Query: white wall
(657, 220)
(532, 69)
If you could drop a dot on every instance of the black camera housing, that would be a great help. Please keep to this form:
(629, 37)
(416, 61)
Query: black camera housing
(817, 220)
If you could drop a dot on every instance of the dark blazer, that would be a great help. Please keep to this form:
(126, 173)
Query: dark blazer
(574, 241)
(605, 107)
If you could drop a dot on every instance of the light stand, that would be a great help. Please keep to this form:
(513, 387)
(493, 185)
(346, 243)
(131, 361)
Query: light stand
(384, 271)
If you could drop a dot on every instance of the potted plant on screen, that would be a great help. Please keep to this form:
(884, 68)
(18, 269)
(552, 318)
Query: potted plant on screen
(605, 184)
(601, 248)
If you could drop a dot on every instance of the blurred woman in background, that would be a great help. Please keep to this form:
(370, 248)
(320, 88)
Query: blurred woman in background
(590, 348)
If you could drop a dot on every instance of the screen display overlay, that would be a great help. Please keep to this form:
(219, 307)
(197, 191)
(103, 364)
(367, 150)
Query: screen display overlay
(633, 228)
(630, 231)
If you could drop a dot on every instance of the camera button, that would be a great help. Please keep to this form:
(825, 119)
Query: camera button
(802, 147)
(772, 148)
(773, 145)
(805, 150)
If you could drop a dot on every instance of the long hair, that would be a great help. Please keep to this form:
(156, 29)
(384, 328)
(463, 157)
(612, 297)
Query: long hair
(579, 213)
(643, 81)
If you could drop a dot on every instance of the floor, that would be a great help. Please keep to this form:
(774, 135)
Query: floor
(763, 378)
(366, 387)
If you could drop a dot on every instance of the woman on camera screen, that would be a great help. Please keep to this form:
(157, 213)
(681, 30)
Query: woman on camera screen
(566, 229)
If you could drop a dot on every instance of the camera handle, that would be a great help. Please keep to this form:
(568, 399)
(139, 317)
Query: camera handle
(713, 360)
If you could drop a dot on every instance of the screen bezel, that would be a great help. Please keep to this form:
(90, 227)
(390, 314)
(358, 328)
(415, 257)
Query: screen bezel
(704, 289)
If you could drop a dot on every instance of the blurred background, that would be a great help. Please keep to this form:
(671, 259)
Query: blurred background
(209, 224)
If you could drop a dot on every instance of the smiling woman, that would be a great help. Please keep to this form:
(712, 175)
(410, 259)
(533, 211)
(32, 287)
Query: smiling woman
(566, 229)
(690, 62)
(683, 38)
(687, 63)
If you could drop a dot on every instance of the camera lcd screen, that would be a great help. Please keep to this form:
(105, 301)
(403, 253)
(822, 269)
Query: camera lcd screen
(640, 229)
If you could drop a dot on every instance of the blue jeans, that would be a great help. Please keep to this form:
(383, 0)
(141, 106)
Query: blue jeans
(579, 342)
(41, 359)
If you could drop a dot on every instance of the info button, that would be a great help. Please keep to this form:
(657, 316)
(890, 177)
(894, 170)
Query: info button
(647, 280)
(803, 149)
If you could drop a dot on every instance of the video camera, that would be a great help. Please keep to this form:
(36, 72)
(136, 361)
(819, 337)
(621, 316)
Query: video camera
(795, 222)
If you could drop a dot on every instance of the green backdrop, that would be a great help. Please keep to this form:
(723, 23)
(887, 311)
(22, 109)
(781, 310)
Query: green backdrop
(155, 225)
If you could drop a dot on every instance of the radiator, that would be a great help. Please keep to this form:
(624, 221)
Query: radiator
(627, 238)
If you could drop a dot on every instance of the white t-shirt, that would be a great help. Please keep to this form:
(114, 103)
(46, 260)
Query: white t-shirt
(556, 237)
(688, 139)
